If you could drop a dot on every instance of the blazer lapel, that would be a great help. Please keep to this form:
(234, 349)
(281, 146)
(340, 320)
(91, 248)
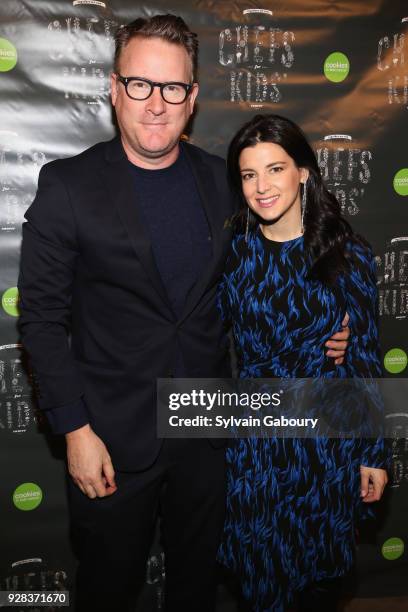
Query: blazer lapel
(207, 189)
(122, 192)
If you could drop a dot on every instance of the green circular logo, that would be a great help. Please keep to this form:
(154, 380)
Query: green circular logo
(392, 549)
(27, 496)
(8, 55)
(401, 182)
(395, 361)
(336, 67)
(9, 301)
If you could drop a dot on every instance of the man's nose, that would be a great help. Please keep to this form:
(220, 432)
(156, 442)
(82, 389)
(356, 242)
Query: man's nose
(155, 103)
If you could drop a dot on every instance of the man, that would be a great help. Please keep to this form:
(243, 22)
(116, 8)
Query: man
(122, 249)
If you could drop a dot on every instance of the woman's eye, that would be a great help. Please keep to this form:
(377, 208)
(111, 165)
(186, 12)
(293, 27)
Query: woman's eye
(276, 169)
(246, 177)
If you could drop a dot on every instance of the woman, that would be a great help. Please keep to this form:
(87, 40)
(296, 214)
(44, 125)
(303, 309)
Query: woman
(295, 269)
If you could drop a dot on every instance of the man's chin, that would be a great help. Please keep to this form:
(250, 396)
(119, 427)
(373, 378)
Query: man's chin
(154, 151)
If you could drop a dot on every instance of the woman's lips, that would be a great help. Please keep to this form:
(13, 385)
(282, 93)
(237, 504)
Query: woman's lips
(267, 202)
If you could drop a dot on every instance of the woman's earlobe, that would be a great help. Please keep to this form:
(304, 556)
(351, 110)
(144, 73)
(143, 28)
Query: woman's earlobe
(305, 175)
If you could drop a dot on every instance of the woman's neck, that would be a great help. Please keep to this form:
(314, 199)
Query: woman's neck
(283, 229)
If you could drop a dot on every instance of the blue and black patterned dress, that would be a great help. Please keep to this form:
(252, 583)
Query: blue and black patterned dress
(292, 504)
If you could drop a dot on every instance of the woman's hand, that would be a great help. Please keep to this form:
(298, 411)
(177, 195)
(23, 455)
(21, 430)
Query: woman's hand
(373, 481)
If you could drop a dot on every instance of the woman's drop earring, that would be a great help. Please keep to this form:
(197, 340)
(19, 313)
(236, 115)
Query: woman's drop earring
(303, 208)
(247, 226)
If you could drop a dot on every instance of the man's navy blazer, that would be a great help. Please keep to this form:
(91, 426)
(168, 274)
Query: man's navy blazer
(95, 317)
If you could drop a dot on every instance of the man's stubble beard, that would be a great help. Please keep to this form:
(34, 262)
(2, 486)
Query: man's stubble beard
(155, 154)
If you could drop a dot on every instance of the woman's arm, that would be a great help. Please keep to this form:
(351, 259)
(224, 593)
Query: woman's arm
(364, 360)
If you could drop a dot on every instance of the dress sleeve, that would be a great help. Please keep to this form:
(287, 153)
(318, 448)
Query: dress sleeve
(363, 356)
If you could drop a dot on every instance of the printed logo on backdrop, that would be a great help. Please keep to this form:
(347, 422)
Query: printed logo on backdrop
(397, 432)
(393, 549)
(95, 2)
(34, 574)
(81, 47)
(392, 63)
(395, 361)
(27, 496)
(8, 55)
(258, 55)
(155, 577)
(9, 301)
(16, 412)
(345, 169)
(400, 182)
(18, 179)
(336, 67)
(392, 279)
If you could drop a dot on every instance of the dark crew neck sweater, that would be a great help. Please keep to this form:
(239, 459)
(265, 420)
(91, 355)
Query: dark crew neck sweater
(173, 214)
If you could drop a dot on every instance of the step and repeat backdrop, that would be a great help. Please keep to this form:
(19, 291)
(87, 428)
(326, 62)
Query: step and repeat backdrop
(339, 69)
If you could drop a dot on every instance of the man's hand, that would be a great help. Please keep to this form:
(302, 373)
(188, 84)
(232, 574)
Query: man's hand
(337, 344)
(89, 463)
(373, 481)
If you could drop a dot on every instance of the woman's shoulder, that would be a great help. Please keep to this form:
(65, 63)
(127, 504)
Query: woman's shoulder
(362, 264)
(241, 254)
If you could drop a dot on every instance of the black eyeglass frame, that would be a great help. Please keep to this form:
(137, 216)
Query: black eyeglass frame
(126, 80)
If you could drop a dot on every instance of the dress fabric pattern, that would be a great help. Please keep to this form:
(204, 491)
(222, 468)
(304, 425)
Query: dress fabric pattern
(292, 504)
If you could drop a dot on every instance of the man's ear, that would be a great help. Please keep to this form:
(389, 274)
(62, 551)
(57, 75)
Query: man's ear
(193, 95)
(114, 88)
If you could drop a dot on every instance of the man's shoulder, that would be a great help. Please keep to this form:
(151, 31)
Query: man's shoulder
(93, 157)
(200, 154)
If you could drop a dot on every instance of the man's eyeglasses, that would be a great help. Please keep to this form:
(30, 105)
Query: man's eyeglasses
(141, 89)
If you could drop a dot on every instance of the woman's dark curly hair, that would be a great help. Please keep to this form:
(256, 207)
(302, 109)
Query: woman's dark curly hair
(326, 231)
